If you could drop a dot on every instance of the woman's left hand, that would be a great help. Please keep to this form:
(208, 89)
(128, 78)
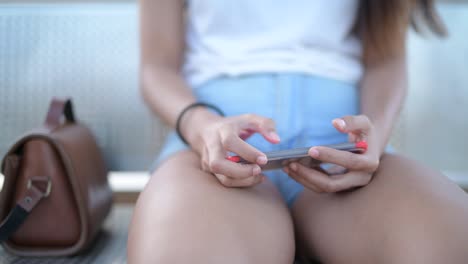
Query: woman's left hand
(358, 168)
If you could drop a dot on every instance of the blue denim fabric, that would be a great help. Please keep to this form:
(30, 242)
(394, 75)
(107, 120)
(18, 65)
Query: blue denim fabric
(302, 106)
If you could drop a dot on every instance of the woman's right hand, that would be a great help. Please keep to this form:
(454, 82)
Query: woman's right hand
(216, 136)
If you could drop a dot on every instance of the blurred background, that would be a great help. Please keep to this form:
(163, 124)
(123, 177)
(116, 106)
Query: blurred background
(89, 50)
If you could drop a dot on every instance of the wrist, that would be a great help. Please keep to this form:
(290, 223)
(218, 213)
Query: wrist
(194, 122)
(191, 112)
(378, 143)
(379, 136)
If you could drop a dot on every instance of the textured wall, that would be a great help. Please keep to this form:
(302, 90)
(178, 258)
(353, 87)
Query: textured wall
(436, 116)
(90, 51)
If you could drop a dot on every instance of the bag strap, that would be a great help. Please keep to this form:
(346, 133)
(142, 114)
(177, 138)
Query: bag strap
(59, 108)
(24, 206)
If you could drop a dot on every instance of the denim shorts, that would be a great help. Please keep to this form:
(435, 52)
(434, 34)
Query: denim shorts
(302, 106)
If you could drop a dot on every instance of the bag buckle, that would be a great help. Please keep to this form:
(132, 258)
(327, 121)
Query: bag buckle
(43, 179)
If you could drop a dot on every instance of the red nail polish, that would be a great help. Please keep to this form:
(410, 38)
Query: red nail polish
(362, 145)
(233, 158)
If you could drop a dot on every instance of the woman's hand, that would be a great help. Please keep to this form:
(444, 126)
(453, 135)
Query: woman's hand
(221, 135)
(358, 168)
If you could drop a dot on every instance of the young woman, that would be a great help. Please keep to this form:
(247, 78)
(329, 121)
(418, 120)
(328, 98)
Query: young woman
(286, 74)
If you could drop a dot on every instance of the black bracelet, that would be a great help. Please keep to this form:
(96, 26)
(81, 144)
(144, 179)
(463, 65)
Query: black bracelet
(190, 106)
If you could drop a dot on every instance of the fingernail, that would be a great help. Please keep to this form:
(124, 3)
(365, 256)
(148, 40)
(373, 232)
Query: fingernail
(293, 166)
(313, 152)
(274, 136)
(256, 170)
(340, 123)
(262, 160)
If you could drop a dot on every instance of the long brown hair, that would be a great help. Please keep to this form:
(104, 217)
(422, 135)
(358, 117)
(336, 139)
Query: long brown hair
(380, 23)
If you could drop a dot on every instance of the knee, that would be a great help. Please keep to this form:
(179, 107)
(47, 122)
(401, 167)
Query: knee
(426, 252)
(186, 216)
(141, 255)
(427, 245)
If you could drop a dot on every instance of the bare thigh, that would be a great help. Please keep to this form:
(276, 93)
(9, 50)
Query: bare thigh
(185, 215)
(407, 214)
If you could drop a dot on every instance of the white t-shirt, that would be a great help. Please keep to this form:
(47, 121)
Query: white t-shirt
(235, 37)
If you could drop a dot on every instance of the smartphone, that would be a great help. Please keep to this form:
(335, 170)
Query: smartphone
(281, 158)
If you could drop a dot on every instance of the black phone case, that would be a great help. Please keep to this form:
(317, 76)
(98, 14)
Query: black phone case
(281, 158)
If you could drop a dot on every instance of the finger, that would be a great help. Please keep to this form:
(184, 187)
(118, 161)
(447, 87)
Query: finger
(245, 182)
(315, 166)
(235, 144)
(302, 180)
(350, 180)
(335, 170)
(311, 177)
(345, 159)
(217, 163)
(331, 184)
(233, 169)
(265, 126)
(352, 123)
(353, 137)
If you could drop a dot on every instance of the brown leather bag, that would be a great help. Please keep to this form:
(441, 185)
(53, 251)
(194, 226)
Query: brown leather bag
(55, 194)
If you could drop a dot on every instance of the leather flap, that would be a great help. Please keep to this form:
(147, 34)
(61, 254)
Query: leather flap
(87, 174)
